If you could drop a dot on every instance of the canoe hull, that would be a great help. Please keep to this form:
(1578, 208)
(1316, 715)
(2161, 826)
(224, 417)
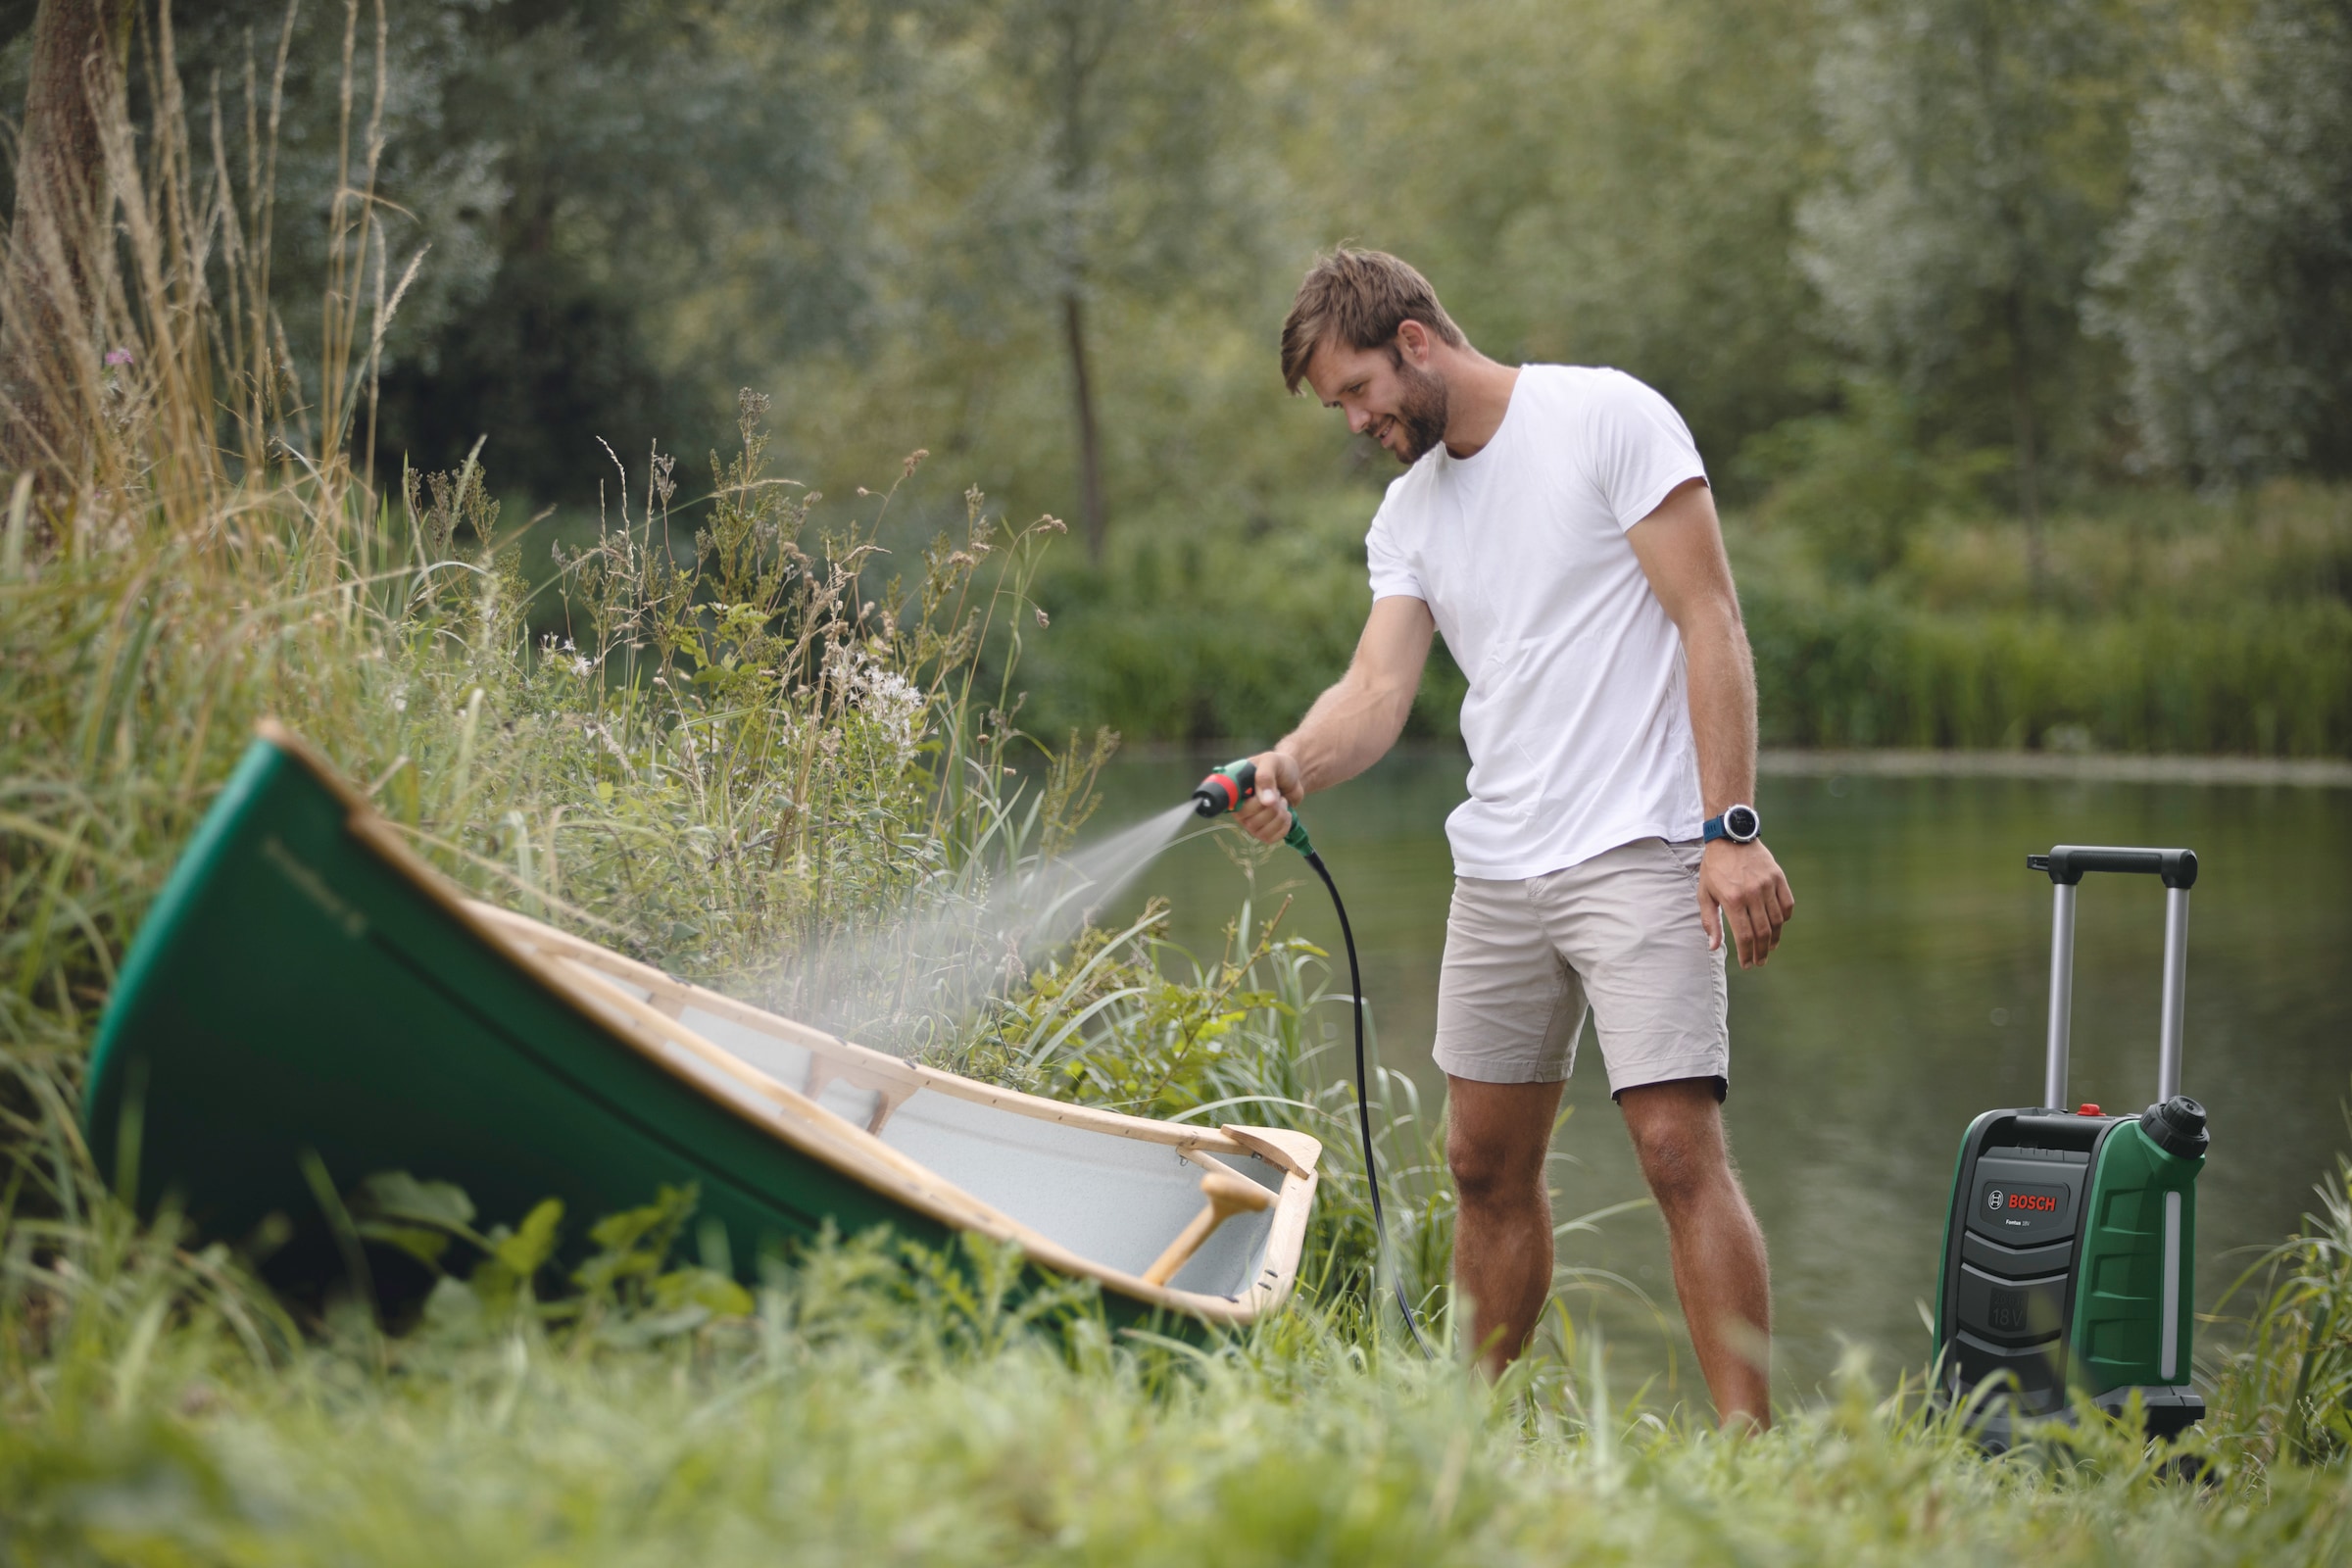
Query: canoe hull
(304, 988)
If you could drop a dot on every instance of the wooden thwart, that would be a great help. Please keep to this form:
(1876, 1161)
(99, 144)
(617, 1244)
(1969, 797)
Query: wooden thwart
(1228, 1195)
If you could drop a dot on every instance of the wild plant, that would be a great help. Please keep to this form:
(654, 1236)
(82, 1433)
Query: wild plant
(2284, 1387)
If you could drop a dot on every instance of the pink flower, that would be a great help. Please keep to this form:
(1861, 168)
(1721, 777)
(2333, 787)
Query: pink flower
(118, 355)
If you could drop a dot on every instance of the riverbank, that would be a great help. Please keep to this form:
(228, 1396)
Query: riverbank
(2086, 767)
(2157, 625)
(2090, 768)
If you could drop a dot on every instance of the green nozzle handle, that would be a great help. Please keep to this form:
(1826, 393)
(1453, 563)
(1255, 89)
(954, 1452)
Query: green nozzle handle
(1226, 788)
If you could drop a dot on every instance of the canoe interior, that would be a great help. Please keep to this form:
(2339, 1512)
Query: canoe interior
(1116, 1201)
(304, 986)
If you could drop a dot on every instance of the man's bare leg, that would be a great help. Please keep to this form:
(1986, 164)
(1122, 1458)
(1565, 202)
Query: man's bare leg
(1497, 1139)
(1720, 1270)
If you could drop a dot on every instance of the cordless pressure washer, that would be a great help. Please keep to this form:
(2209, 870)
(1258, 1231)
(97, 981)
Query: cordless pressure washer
(1224, 790)
(2069, 1249)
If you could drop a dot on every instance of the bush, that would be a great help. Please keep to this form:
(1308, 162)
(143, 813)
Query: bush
(1855, 670)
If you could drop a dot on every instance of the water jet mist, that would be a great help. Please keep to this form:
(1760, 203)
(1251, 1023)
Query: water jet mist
(902, 987)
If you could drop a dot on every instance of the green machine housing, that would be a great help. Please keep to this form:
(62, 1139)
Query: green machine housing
(2069, 1249)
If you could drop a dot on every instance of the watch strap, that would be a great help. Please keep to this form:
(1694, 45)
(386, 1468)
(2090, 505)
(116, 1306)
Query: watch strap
(1719, 826)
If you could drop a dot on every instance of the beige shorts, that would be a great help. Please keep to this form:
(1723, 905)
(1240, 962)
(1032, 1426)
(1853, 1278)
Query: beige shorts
(1619, 933)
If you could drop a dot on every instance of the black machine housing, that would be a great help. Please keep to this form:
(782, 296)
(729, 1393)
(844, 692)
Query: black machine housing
(2044, 1198)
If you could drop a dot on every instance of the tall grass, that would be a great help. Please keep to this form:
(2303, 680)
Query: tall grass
(863, 1413)
(2287, 1384)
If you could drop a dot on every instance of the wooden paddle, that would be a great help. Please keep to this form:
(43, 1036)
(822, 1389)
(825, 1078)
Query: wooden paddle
(1228, 1195)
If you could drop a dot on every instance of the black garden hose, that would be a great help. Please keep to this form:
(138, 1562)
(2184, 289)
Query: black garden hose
(1363, 1108)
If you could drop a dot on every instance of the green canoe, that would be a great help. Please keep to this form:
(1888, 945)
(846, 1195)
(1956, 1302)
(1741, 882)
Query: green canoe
(307, 985)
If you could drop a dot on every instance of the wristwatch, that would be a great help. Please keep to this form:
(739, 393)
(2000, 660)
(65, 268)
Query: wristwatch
(1739, 823)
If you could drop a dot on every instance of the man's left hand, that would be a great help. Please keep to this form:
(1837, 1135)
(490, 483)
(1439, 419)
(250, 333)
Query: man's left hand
(1741, 886)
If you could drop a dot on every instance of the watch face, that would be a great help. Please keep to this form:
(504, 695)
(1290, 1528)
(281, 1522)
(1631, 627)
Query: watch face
(1741, 822)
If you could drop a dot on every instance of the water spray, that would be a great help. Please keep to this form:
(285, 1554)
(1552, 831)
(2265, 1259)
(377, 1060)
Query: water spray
(1222, 790)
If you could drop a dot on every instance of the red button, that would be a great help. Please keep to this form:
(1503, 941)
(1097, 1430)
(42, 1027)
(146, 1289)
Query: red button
(2090, 1109)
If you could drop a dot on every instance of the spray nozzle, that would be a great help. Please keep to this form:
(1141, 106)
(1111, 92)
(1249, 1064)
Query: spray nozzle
(1226, 788)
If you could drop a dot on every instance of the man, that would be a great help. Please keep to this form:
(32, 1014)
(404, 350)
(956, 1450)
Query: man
(1556, 523)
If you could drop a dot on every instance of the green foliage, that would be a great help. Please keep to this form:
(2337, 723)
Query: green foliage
(2193, 628)
(1975, 167)
(1588, 182)
(627, 1291)
(2229, 274)
(1859, 485)
(874, 1404)
(1210, 631)
(2287, 1386)
(746, 749)
(1885, 604)
(533, 153)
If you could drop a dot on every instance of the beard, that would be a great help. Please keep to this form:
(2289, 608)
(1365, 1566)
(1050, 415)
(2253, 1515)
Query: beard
(1421, 410)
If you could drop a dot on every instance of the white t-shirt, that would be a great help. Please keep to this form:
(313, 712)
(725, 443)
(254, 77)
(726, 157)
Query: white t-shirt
(1577, 720)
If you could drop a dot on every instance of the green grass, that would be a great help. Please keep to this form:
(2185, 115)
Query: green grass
(751, 749)
(867, 1411)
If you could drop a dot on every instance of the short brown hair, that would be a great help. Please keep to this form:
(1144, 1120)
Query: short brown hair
(1360, 298)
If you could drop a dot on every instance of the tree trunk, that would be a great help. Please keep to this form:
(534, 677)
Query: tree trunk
(49, 363)
(1090, 447)
(2023, 433)
(1079, 56)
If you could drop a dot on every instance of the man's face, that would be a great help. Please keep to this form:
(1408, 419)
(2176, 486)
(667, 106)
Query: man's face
(1384, 394)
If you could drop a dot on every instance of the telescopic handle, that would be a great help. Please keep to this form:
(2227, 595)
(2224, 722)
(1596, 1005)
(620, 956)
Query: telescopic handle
(2065, 863)
(2066, 866)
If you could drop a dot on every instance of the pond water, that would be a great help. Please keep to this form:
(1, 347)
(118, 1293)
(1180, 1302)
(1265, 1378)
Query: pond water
(1910, 993)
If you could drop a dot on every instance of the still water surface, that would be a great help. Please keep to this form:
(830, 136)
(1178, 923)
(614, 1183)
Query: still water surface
(1910, 993)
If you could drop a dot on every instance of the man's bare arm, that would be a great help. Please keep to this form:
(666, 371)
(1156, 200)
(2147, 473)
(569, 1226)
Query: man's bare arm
(1352, 723)
(1680, 546)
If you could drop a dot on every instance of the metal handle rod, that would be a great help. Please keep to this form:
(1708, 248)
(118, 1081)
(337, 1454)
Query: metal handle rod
(2175, 993)
(2062, 990)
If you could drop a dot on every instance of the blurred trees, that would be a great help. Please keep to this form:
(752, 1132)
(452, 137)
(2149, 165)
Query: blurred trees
(669, 217)
(1895, 260)
(1099, 151)
(1591, 182)
(2230, 277)
(625, 211)
(1976, 160)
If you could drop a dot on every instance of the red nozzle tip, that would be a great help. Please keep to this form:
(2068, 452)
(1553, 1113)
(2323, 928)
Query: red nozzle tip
(1216, 795)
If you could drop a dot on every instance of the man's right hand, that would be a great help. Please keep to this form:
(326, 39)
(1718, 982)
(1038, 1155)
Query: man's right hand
(1266, 815)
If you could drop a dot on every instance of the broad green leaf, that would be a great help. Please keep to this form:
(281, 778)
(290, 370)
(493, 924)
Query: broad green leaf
(528, 1248)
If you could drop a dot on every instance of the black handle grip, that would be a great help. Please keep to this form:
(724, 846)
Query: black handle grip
(2066, 863)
